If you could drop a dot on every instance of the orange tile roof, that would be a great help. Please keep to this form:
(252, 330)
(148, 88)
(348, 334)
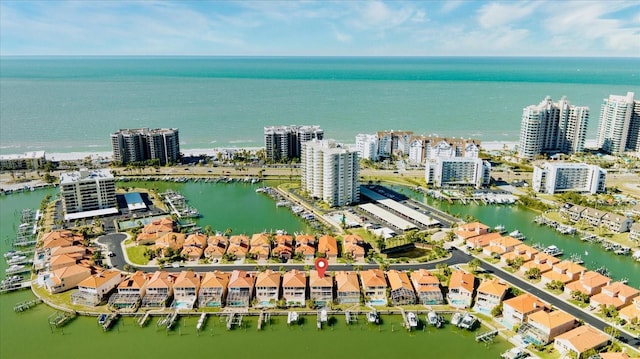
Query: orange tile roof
(241, 240)
(162, 225)
(171, 240)
(328, 245)
(196, 240)
(545, 258)
(399, 280)
(354, 248)
(506, 241)
(615, 355)
(352, 238)
(268, 279)
(215, 279)
(468, 230)
(594, 279)
(192, 252)
(304, 239)
(373, 278)
(97, 280)
(260, 251)
(66, 272)
(217, 246)
(284, 240)
(482, 240)
(187, 279)
(306, 250)
(494, 287)
(63, 259)
(602, 298)
(552, 275)
(525, 249)
(584, 338)
(260, 239)
(569, 267)
(237, 249)
(71, 250)
(524, 303)
(630, 311)
(294, 279)
(241, 279)
(544, 267)
(161, 279)
(551, 320)
(136, 280)
(621, 290)
(281, 250)
(316, 281)
(425, 281)
(60, 238)
(494, 249)
(462, 279)
(347, 281)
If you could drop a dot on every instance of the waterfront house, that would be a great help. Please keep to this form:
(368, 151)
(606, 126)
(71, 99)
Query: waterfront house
(516, 310)
(94, 289)
(374, 286)
(461, 286)
(66, 278)
(240, 288)
(328, 246)
(632, 311)
(592, 216)
(154, 230)
(427, 286)
(577, 341)
(483, 240)
(347, 287)
(590, 283)
(169, 241)
(294, 288)
(305, 246)
(260, 246)
(527, 253)
(616, 223)
(130, 293)
(43, 257)
(565, 272)
(213, 289)
(268, 288)
(616, 294)
(634, 232)
(401, 290)
(193, 246)
(284, 247)
(60, 238)
(159, 290)
(185, 289)
(489, 295)
(320, 289)
(469, 230)
(353, 246)
(61, 261)
(216, 248)
(238, 246)
(542, 327)
(572, 211)
(542, 261)
(501, 246)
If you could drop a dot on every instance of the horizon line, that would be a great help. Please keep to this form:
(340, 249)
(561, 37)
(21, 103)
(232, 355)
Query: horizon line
(315, 56)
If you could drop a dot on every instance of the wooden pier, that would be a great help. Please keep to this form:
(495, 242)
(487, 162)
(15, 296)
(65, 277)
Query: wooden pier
(172, 319)
(234, 319)
(486, 337)
(60, 318)
(14, 286)
(201, 321)
(110, 320)
(26, 305)
(405, 320)
(351, 318)
(144, 319)
(265, 318)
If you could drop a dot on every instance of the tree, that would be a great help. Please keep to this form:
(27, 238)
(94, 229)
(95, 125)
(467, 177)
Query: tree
(533, 273)
(497, 310)
(580, 296)
(474, 264)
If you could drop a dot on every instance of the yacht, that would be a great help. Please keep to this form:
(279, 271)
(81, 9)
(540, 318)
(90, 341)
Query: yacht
(624, 251)
(553, 251)
(499, 229)
(575, 258)
(292, 317)
(457, 317)
(413, 320)
(468, 322)
(514, 353)
(373, 317)
(517, 235)
(102, 319)
(434, 319)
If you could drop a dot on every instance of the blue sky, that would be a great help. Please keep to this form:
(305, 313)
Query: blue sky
(324, 28)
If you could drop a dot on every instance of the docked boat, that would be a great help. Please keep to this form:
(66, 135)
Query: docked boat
(517, 235)
(413, 320)
(292, 317)
(499, 229)
(468, 322)
(434, 319)
(373, 317)
(575, 258)
(636, 255)
(455, 320)
(514, 353)
(553, 251)
(624, 251)
(102, 319)
(16, 259)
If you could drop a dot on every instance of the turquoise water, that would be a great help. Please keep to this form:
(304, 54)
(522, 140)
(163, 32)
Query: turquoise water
(72, 104)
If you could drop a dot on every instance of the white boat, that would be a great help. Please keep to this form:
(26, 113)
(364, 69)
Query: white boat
(636, 255)
(434, 319)
(102, 319)
(455, 320)
(553, 251)
(517, 235)
(514, 353)
(624, 251)
(413, 320)
(575, 258)
(292, 317)
(323, 315)
(468, 321)
(499, 229)
(373, 317)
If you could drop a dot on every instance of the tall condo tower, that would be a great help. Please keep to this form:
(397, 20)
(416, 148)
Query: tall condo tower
(144, 144)
(283, 143)
(552, 127)
(330, 172)
(619, 124)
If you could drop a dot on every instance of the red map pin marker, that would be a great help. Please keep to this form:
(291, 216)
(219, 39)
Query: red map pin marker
(321, 266)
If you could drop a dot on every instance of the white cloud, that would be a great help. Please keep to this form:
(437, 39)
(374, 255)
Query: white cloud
(451, 5)
(501, 14)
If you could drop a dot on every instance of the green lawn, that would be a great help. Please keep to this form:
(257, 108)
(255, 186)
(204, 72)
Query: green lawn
(136, 255)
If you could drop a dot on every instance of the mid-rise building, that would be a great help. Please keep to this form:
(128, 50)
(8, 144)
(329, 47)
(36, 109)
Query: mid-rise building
(619, 124)
(367, 146)
(144, 144)
(329, 171)
(554, 177)
(88, 193)
(552, 127)
(458, 171)
(394, 142)
(283, 143)
(28, 161)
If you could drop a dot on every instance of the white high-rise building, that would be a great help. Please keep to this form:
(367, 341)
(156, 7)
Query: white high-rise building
(144, 144)
(283, 143)
(619, 124)
(458, 171)
(367, 146)
(88, 193)
(552, 127)
(329, 171)
(554, 177)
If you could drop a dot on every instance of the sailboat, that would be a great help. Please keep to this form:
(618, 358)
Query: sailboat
(586, 253)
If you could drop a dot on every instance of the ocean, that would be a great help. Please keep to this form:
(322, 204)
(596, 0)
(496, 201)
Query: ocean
(67, 104)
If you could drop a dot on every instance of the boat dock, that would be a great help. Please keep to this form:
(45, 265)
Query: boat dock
(178, 205)
(172, 318)
(234, 319)
(10, 287)
(321, 318)
(264, 318)
(292, 317)
(351, 318)
(17, 269)
(60, 318)
(201, 321)
(111, 318)
(487, 337)
(26, 305)
(405, 319)
(144, 319)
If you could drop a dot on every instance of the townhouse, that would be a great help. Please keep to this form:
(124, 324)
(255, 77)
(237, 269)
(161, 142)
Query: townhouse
(565, 272)
(500, 246)
(589, 283)
(374, 286)
(427, 286)
(294, 288)
(240, 288)
(238, 246)
(185, 289)
(320, 289)
(193, 247)
(461, 286)
(328, 246)
(216, 248)
(401, 290)
(129, 293)
(260, 246)
(347, 287)
(154, 230)
(213, 289)
(542, 327)
(284, 247)
(267, 288)
(515, 311)
(616, 294)
(159, 290)
(305, 246)
(577, 341)
(94, 289)
(66, 278)
(489, 295)
(353, 247)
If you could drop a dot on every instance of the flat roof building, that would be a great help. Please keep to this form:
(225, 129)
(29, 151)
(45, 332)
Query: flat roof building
(619, 124)
(144, 144)
(27, 161)
(284, 143)
(458, 171)
(88, 193)
(554, 177)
